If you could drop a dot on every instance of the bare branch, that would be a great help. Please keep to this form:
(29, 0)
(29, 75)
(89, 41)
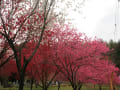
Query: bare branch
(5, 61)
(32, 12)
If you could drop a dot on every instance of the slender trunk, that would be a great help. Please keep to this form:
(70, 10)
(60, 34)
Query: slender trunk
(21, 82)
(111, 81)
(58, 85)
(100, 87)
(79, 87)
(21, 85)
(114, 88)
(31, 83)
(45, 88)
(36, 84)
(74, 87)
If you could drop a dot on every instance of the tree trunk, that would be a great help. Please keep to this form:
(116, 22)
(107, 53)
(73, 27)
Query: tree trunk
(36, 84)
(74, 87)
(45, 88)
(100, 87)
(79, 87)
(31, 83)
(114, 88)
(21, 82)
(21, 85)
(58, 85)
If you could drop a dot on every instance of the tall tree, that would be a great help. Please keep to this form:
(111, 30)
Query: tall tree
(22, 22)
(74, 50)
(115, 52)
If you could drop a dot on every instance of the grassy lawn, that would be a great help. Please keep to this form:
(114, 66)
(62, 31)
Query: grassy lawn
(51, 88)
(62, 88)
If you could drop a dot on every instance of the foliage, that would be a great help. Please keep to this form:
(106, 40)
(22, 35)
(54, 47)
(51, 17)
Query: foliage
(115, 52)
(75, 54)
(20, 23)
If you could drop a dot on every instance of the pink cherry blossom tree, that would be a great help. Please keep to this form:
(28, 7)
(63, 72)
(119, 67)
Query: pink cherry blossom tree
(73, 51)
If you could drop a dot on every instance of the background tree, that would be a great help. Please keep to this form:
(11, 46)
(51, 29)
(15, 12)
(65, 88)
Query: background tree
(115, 52)
(7, 72)
(41, 68)
(74, 50)
(99, 73)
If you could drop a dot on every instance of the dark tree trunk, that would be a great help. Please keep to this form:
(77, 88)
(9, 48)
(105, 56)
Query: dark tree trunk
(45, 88)
(79, 87)
(114, 88)
(100, 87)
(31, 83)
(21, 82)
(36, 84)
(21, 85)
(74, 87)
(58, 85)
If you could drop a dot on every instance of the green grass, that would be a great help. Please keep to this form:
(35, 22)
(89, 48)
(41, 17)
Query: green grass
(62, 88)
(51, 88)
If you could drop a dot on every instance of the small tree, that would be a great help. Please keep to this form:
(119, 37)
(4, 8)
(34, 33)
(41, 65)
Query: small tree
(98, 72)
(7, 71)
(41, 68)
(115, 52)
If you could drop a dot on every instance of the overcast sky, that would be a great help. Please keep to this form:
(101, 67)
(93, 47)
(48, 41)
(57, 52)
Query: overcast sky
(98, 19)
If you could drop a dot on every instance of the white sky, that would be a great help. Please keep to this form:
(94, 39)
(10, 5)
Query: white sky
(98, 19)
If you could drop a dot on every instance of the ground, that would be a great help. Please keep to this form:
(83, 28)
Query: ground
(62, 88)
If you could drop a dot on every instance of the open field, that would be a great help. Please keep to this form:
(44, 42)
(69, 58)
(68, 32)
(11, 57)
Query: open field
(62, 88)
